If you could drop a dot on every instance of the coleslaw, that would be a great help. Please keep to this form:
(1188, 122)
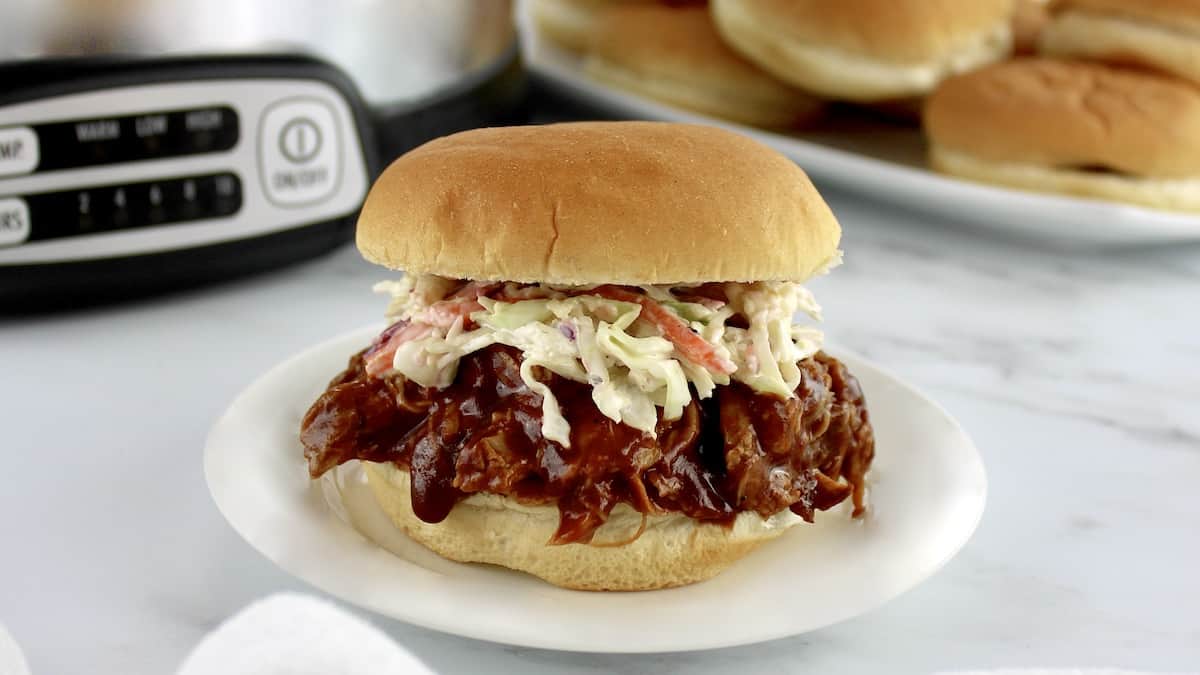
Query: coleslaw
(639, 348)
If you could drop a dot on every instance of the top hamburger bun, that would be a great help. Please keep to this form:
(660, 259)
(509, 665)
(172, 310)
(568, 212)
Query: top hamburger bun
(866, 50)
(598, 202)
(1071, 126)
(1161, 34)
(675, 55)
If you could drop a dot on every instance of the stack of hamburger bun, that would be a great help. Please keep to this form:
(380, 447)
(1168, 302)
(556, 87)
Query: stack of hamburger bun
(866, 50)
(1075, 127)
(676, 55)
(1109, 108)
(772, 63)
(1093, 98)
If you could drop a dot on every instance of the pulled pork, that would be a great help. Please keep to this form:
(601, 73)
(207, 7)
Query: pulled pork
(736, 451)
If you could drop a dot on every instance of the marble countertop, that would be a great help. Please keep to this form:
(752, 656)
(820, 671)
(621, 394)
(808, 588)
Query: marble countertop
(1078, 376)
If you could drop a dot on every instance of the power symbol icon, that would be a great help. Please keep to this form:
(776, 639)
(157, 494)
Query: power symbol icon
(300, 140)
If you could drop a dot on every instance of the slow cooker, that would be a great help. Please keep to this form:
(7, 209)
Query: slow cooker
(149, 144)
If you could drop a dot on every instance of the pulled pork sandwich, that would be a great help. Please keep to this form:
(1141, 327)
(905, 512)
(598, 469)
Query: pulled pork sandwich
(592, 371)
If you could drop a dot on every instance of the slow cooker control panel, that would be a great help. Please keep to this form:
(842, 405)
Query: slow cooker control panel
(158, 167)
(93, 209)
(71, 144)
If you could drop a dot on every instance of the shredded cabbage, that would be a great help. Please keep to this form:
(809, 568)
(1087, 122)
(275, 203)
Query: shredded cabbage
(630, 361)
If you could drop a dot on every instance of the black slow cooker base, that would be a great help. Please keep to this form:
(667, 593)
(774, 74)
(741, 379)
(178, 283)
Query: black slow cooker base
(492, 95)
(26, 289)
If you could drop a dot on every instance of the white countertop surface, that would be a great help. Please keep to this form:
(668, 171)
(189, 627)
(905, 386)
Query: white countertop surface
(1077, 375)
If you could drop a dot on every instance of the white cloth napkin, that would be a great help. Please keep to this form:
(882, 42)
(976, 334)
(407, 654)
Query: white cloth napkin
(12, 661)
(295, 634)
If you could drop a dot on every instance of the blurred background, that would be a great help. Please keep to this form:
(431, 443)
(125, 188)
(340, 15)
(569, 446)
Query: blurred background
(149, 145)
(1018, 184)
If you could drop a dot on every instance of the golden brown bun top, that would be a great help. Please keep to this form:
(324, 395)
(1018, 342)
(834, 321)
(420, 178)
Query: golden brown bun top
(654, 34)
(1070, 114)
(1180, 13)
(597, 202)
(907, 31)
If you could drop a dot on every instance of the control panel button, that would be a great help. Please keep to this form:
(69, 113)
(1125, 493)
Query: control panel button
(105, 208)
(14, 221)
(300, 140)
(18, 150)
(130, 138)
(300, 152)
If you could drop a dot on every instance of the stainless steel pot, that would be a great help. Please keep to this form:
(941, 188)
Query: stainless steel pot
(397, 51)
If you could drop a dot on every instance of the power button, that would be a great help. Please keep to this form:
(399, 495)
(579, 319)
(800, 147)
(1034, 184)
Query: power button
(300, 152)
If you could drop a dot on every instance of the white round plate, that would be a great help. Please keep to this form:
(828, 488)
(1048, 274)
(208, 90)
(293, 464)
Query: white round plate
(888, 164)
(927, 491)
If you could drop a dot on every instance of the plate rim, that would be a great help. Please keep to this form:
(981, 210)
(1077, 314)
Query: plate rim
(488, 632)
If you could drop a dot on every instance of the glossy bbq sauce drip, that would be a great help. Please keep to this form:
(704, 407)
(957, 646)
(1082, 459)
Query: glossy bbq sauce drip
(738, 451)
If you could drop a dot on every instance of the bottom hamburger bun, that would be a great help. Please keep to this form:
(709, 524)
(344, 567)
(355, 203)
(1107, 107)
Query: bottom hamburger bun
(1178, 194)
(673, 550)
(675, 55)
(1125, 40)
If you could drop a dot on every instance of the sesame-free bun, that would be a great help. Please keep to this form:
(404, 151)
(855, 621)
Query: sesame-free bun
(1071, 126)
(566, 22)
(598, 202)
(571, 23)
(866, 50)
(675, 55)
(1184, 14)
(1180, 194)
(1161, 34)
(672, 551)
(1029, 18)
